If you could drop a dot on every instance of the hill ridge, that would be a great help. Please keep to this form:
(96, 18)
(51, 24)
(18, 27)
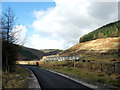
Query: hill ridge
(108, 30)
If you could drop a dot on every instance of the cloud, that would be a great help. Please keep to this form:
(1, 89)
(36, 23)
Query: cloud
(70, 19)
(103, 10)
(20, 33)
(39, 42)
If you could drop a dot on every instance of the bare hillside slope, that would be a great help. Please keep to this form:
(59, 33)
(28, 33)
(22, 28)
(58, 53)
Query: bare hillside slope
(103, 45)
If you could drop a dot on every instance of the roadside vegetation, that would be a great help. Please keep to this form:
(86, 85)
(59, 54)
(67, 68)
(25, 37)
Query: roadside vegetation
(83, 71)
(17, 79)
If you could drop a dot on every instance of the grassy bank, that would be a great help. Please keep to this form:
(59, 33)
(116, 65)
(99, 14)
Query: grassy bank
(17, 79)
(102, 58)
(84, 73)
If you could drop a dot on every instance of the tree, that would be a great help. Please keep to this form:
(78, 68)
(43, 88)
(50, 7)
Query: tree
(7, 24)
(9, 53)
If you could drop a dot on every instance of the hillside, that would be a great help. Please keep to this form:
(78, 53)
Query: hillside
(104, 49)
(50, 51)
(109, 30)
(99, 45)
(26, 53)
(36, 52)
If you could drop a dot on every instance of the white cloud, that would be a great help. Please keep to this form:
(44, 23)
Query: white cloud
(69, 20)
(43, 43)
(20, 33)
(103, 10)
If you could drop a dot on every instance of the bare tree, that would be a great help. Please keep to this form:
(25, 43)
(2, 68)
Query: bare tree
(7, 23)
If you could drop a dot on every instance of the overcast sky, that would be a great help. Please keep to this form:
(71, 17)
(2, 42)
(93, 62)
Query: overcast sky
(60, 24)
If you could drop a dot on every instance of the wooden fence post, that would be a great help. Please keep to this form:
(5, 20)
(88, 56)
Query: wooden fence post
(114, 67)
(90, 65)
(74, 63)
(101, 67)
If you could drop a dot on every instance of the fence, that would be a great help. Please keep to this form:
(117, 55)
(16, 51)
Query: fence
(108, 68)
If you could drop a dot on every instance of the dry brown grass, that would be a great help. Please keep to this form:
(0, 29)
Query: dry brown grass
(17, 79)
(100, 45)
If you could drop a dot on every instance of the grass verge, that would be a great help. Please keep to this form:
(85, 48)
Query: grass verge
(17, 79)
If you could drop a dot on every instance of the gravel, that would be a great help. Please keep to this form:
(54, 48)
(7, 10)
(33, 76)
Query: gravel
(33, 82)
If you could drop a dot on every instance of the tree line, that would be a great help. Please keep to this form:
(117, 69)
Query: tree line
(110, 30)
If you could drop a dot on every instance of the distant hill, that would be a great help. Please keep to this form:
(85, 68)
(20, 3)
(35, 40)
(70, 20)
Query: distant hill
(50, 51)
(109, 30)
(26, 53)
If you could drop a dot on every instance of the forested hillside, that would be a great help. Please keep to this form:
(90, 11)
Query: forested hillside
(109, 30)
(26, 53)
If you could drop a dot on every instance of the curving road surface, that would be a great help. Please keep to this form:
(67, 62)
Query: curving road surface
(49, 80)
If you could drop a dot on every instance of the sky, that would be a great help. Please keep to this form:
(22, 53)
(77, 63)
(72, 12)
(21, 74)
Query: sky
(59, 24)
